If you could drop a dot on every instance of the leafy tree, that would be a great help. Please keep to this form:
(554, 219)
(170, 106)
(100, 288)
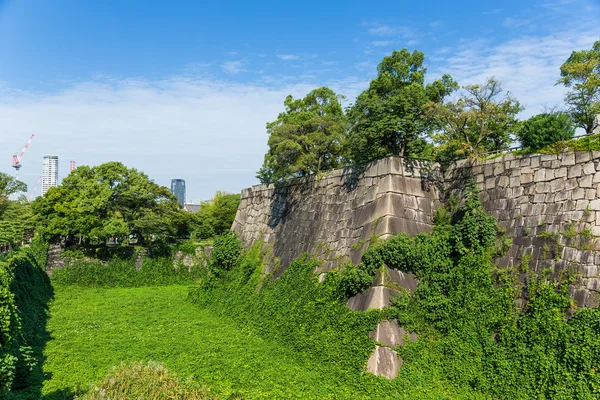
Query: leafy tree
(15, 215)
(109, 200)
(388, 118)
(216, 216)
(481, 120)
(545, 129)
(305, 138)
(581, 73)
(16, 221)
(8, 186)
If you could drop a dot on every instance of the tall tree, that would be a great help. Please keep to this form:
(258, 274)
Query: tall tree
(388, 118)
(216, 216)
(9, 186)
(581, 73)
(305, 138)
(15, 215)
(481, 120)
(109, 200)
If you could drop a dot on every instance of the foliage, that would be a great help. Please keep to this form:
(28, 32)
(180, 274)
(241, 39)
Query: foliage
(109, 201)
(24, 294)
(95, 329)
(388, 118)
(224, 256)
(15, 215)
(472, 338)
(216, 216)
(480, 121)
(155, 271)
(16, 221)
(587, 143)
(9, 186)
(148, 381)
(581, 73)
(306, 138)
(545, 130)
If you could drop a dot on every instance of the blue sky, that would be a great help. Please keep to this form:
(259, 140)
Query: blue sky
(185, 90)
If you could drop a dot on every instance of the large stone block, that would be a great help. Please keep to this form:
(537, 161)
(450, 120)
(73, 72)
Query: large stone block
(395, 279)
(376, 297)
(390, 334)
(384, 362)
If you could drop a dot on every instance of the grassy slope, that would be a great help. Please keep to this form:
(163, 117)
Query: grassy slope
(95, 329)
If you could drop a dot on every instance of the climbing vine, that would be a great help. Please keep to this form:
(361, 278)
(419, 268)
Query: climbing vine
(483, 332)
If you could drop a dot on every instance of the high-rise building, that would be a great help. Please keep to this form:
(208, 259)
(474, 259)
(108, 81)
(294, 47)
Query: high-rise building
(178, 189)
(49, 172)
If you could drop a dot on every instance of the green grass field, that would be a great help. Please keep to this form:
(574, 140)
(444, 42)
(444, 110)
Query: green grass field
(94, 329)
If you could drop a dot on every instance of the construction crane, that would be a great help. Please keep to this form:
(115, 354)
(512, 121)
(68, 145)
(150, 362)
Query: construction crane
(17, 158)
(32, 193)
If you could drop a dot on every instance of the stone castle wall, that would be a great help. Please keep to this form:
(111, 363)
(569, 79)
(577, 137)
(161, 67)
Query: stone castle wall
(550, 208)
(335, 216)
(548, 204)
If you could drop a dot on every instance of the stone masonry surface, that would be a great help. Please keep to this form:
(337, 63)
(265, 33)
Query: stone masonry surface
(548, 204)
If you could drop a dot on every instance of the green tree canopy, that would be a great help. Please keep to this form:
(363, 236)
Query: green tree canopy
(481, 120)
(216, 216)
(305, 138)
(545, 129)
(109, 200)
(581, 73)
(388, 118)
(15, 215)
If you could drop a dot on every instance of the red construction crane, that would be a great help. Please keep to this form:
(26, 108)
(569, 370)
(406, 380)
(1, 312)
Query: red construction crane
(17, 158)
(32, 193)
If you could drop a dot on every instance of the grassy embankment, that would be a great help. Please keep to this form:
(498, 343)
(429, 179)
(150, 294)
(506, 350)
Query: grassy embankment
(93, 329)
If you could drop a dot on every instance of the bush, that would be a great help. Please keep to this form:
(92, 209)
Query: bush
(122, 273)
(216, 216)
(148, 381)
(225, 254)
(25, 291)
(545, 129)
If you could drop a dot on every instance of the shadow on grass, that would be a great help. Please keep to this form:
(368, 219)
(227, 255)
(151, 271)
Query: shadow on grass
(63, 394)
(33, 293)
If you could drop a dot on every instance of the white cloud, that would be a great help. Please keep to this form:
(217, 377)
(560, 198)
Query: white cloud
(528, 66)
(381, 43)
(514, 23)
(287, 57)
(383, 30)
(233, 67)
(209, 132)
(365, 66)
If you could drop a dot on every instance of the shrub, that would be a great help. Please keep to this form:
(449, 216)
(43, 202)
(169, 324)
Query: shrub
(545, 129)
(25, 291)
(122, 273)
(225, 254)
(148, 381)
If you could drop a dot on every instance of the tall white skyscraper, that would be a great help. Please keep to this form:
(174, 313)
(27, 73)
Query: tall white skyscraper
(49, 172)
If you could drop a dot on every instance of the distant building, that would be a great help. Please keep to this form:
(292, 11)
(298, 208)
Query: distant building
(190, 207)
(597, 130)
(49, 172)
(178, 189)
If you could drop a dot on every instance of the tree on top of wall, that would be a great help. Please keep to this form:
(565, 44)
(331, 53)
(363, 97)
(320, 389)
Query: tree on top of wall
(306, 138)
(581, 73)
(480, 121)
(388, 118)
